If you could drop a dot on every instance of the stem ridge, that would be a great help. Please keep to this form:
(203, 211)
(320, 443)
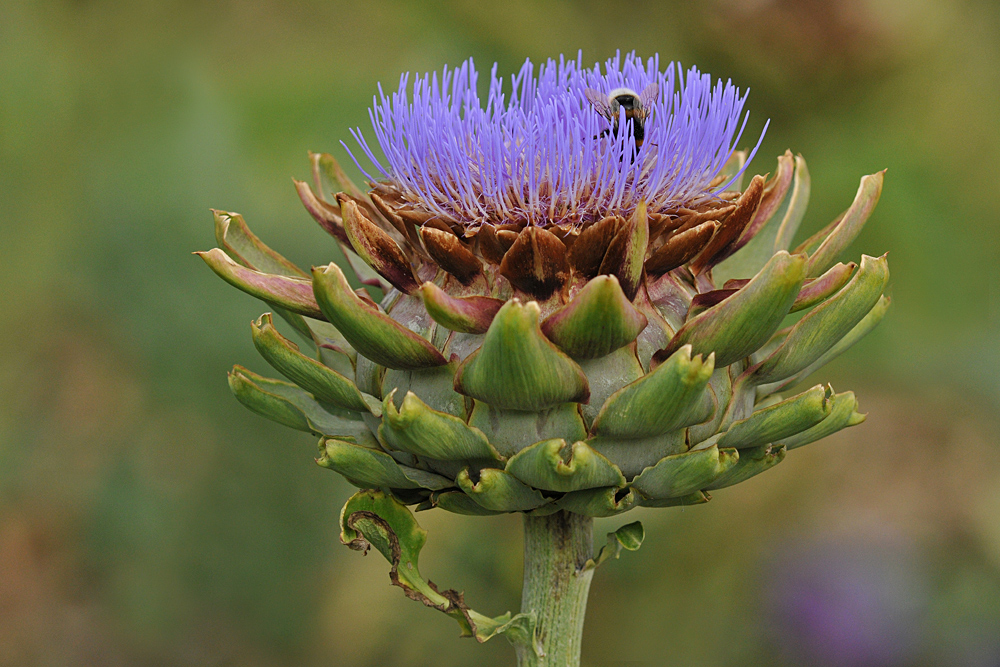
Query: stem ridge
(557, 549)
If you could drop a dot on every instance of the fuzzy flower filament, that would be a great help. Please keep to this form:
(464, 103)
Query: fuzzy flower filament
(538, 151)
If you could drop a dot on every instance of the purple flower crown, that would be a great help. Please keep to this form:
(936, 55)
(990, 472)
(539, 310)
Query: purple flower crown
(541, 153)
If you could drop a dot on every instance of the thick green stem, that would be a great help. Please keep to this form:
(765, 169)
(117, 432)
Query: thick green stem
(556, 548)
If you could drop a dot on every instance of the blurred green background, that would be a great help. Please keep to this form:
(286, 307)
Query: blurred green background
(146, 518)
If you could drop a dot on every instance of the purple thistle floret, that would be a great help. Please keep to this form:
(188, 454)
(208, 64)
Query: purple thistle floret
(541, 152)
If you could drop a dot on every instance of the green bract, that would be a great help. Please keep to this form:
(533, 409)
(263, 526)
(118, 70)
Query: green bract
(588, 368)
(532, 369)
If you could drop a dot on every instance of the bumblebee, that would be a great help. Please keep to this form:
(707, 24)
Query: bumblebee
(637, 108)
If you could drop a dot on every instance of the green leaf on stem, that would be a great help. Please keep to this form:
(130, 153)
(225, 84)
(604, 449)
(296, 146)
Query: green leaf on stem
(375, 519)
(629, 537)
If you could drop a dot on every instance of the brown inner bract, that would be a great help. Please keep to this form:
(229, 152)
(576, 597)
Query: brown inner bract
(544, 262)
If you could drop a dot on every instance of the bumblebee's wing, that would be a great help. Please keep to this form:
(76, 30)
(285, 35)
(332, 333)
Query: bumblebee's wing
(600, 102)
(647, 98)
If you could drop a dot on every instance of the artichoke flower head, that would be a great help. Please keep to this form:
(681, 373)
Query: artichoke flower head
(576, 314)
